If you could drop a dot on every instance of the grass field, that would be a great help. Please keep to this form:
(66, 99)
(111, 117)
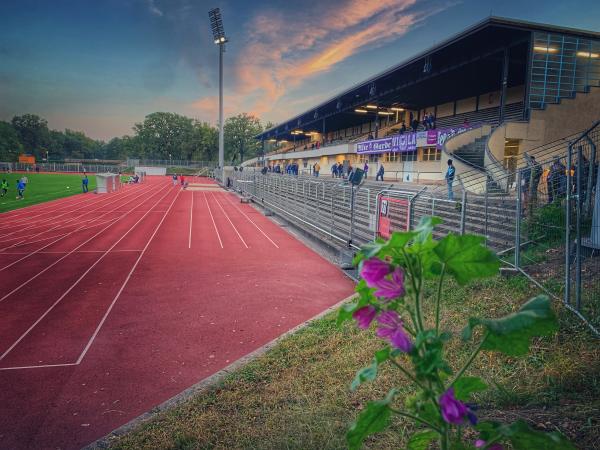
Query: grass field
(42, 187)
(297, 396)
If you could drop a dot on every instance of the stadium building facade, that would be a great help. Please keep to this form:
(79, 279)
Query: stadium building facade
(492, 93)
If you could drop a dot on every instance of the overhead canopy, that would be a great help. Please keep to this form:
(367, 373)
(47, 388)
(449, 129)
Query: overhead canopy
(467, 64)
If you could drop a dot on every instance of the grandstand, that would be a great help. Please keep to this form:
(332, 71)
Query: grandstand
(498, 90)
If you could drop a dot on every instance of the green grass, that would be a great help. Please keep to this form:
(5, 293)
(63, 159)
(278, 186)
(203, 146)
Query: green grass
(42, 187)
(297, 395)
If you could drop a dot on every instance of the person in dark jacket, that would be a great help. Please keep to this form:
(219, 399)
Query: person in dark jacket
(380, 173)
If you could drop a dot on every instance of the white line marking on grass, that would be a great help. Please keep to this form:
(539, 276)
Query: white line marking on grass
(90, 342)
(191, 210)
(77, 282)
(234, 228)
(213, 220)
(72, 251)
(74, 231)
(251, 221)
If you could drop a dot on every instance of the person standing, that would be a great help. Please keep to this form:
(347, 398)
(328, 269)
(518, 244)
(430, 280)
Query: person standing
(317, 169)
(181, 180)
(366, 169)
(3, 187)
(175, 179)
(84, 184)
(450, 173)
(380, 173)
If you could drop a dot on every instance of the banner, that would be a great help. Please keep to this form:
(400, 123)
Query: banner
(407, 142)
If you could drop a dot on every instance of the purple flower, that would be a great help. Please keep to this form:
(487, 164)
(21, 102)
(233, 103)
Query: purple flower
(480, 443)
(364, 316)
(391, 329)
(453, 411)
(392, 287)
(374, 270)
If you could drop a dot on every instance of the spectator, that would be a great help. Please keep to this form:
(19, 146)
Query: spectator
(334, 170)
(370, 137)
(466, 123)
(366, 169)
(340, 170)
(415, 125)
(380, 173)
(426, 121)
(403, 128)
(536, 174)
(316, 169)
(450, 173)
(431, 121)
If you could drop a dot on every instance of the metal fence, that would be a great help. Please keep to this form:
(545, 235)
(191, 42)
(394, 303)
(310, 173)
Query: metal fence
(171, 163)
(545, 224)
(62, 167)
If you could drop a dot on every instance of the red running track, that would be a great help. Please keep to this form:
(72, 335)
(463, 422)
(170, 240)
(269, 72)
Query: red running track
(127, 299)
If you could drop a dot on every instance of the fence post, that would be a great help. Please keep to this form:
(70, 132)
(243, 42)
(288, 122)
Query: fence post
(518, 222)
(487, 184)
(463, 212)
(567, 229)
(578, 233)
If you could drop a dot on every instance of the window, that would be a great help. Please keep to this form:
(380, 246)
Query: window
(409, 156)
(391, 157)
(373, 158)
(432, 154)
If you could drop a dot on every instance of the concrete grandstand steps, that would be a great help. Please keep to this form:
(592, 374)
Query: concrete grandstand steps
(473, 153)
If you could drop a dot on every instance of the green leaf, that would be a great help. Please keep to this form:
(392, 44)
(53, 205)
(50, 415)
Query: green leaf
(373, 419)
(511, 334)
(425, 227)
(368, 373)
(466, 258)
(383, 248)
(522, 437)
(465, 386)
(421, 439)
(382, 355)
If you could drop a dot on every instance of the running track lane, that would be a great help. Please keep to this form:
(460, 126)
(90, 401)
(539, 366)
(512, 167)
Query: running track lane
(179, 314)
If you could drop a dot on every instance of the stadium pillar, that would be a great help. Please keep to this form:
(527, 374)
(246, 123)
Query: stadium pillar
(323, 134)
(221, 124)
(504, 85)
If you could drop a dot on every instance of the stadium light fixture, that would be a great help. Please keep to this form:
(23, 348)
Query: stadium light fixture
(385, 113)
(588, 54)
(360, 110)
(216, 25)
(394, 108)
(541, 49)
(371, 106)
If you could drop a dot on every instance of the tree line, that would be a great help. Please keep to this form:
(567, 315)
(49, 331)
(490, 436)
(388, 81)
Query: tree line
(161, 135)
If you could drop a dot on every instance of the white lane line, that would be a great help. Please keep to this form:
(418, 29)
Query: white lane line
(251, 221)
(191, 210)
(25, 213)
(72, 251)
(74, 231)
(38, 367)
(234, 228)
(90, 342)
(213, 220)
(77, 281)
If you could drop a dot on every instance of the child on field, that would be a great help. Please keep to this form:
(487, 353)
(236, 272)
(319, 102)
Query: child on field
(3, 188)
(20, 189)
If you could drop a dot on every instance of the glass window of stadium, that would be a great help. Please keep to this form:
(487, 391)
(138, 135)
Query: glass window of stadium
(409, 156)
(432, 154)
(561, 66)
(373, 158)
(391, 157)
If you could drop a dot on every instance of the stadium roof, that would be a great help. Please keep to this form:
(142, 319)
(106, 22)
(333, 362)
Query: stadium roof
(470, 62)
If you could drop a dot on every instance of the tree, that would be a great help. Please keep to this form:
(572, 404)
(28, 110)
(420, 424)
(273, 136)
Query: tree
(239, 133)
(33, 133)
(10, 147)
(165, 135)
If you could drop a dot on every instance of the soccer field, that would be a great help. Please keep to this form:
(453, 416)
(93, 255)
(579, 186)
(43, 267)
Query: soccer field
(42, 187)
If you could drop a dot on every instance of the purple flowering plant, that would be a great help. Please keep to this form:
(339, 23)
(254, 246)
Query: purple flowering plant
(390, 298)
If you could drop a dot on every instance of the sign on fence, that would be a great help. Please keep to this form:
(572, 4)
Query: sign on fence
(394, 215)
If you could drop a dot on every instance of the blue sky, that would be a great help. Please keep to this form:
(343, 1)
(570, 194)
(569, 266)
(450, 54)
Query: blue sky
(100, 66)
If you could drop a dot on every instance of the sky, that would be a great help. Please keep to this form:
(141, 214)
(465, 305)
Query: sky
(100, 66)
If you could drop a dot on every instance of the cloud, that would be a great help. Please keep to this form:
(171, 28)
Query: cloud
(281, 56)
(153, 8)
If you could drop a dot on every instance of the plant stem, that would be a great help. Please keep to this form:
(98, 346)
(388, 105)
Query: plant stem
(408, 374)
(438, 300)
(412, 275)
(470, 360)
(418, 419)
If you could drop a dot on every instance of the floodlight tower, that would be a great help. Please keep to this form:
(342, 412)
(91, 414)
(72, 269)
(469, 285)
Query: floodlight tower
(216, 24)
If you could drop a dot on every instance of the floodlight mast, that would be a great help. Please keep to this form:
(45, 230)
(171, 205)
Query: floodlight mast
(216, 24)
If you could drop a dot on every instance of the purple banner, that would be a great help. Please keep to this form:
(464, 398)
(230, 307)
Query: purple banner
(407, 142)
